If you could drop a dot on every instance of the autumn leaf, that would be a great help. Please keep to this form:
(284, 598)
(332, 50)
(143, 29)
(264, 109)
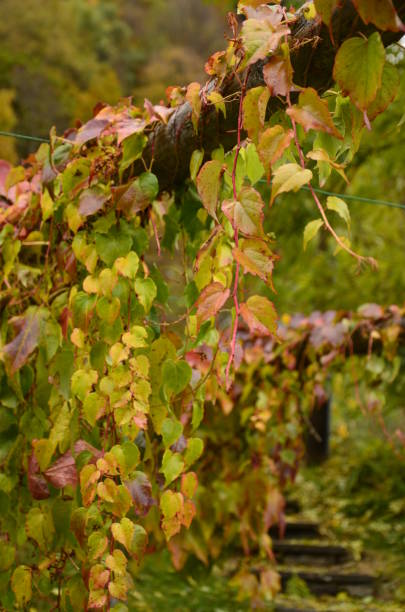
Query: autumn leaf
(211, 300)
(379, 12)
(256, 258)
(26, 341)
(290, 177)
(91, 129)
(272, 144)
(208, 185)
(260, 315)
(194, 99)
(313, 113)
(246, 213)
(254, 110)
(91, 201)
(277, 74)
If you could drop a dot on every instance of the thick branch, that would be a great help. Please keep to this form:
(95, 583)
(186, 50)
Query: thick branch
(313, 55)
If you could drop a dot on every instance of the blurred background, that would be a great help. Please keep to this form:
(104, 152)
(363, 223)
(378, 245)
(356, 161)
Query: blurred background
(58, 58)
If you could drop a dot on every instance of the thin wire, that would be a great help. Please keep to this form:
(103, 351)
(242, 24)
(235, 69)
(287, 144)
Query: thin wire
(23, 137)
(343, 196)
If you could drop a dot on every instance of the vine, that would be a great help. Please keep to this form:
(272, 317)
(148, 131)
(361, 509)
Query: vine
(126, 249)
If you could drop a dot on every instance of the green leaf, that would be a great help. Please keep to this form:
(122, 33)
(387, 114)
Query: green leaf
(246, 213)
(195, 163)
(260, 315)
(108, 309)
(215, 98)
(127, 266)
(358, 69)
(136, 337)
(208, 185)
(290, 177)
(313, 113)
(340, 207)
(195, 447)
(325, 9)
(146, 291)
(387, 92)
(97, 544)
(254, 110)
(171, 431)
(172, 466)
(82, 382)
(112, 245)
(117, 562)
(311, 230)
(176, 375)
(132, 150)
(94, 407)
(198, 414)
(21, 584)
(171, 503)
(254, 167)
(38, 526)
(7, 555)
(132, 537)
(47, 205)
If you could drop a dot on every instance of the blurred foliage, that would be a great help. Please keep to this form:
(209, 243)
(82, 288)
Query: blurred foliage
(61, 58)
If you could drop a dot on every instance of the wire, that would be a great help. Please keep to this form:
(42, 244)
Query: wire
(343, 196)
(23, 137)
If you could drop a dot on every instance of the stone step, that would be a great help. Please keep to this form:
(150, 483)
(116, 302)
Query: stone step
(309, 554)
(296, 530)
(356, 585)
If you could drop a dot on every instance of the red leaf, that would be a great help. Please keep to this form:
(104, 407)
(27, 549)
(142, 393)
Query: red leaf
(63, 472)
(91, 201)
(26, 341)
(128, 126)
(141, 492)
(91, 129)
(36, 482)
(211, 301)
(277, 74)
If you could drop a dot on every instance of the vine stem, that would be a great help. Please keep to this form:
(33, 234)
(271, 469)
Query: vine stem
(236, 235)
(359, 258)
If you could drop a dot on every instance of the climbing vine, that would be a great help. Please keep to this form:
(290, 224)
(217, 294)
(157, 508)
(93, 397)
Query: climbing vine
(127, 250)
